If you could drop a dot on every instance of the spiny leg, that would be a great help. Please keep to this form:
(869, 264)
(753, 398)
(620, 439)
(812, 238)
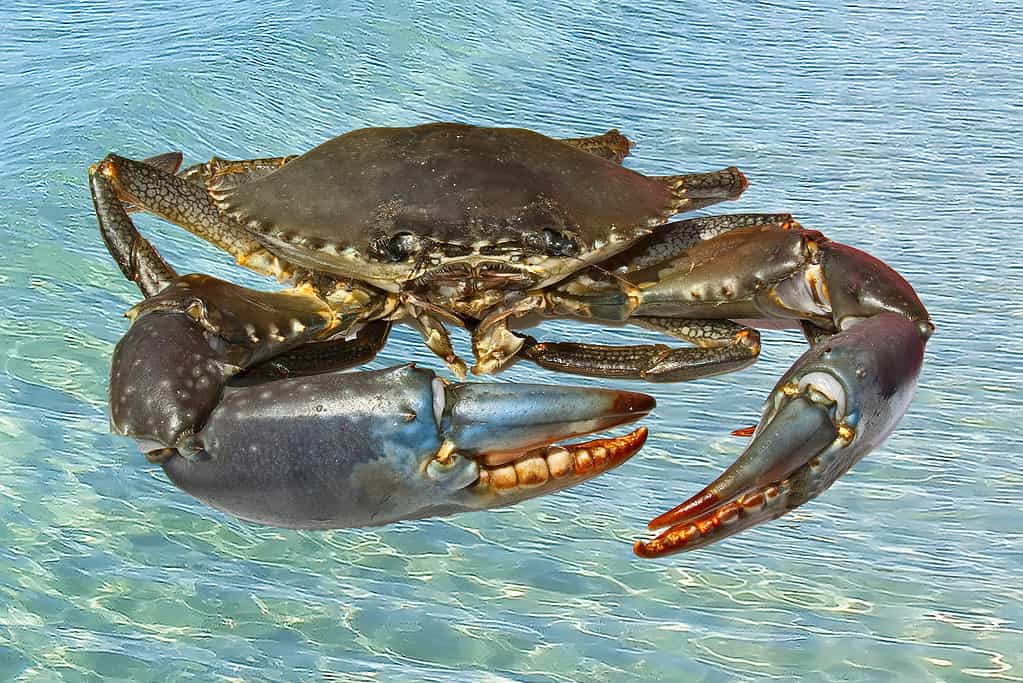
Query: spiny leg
(141, 263)
(187, 205)
(231, 173)
(435, 336)
(722, 346)
(611, 145)
(138, 260)
(691, 191)
(671, 240)
(225, 172)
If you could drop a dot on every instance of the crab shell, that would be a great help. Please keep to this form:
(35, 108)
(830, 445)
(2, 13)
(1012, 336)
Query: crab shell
(387, 205)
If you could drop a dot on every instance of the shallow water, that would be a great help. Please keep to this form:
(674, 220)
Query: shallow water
(895, 130)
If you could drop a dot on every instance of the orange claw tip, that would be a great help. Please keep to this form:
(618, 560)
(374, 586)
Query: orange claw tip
(696, 532)
(645, 550)
(601, 455)
(675, 540)
(745, 431)
(702, 502)
(621, 448)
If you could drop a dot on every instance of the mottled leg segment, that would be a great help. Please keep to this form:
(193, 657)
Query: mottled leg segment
(671, 240)
(722, 347)
(185, 204)
(696, 190)
(227, 173)
(138, 260)
(168, 162)
(611, 145)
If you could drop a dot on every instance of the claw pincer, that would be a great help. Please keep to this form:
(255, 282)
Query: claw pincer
(238, 394)
(333, 449)
(362, 449)
(836, 404)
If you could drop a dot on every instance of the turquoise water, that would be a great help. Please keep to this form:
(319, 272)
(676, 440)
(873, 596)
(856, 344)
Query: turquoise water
(895, 130)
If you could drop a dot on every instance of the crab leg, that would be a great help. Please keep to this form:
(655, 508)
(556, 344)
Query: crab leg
(691, 283)
(227, 172)
(611, 145)
(436, 337)
(671, 240)
(691, 191)
(135, 256)
(186, 204)
(723, 346)
(608, 293)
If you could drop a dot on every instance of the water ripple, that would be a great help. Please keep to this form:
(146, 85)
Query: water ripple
(894, 128)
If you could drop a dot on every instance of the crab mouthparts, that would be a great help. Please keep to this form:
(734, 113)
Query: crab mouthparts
(504, 472)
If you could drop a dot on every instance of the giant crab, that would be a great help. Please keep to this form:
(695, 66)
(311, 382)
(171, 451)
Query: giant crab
(237, 393)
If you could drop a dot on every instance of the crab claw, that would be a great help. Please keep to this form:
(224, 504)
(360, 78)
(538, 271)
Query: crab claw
(343, 450)
(336, 449)
(186, 342)
(837, 403)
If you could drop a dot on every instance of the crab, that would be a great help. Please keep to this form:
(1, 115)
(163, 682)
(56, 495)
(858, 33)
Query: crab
(490, 229)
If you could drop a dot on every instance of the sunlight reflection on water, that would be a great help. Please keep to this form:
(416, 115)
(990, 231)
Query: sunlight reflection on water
(895, 130)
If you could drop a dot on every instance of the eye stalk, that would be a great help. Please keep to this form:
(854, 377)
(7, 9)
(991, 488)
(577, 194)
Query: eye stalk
(553, 243)
(399, 247)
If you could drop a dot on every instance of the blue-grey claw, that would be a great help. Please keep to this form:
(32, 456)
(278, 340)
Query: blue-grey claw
(339, 449)
(361, 449)
(837, 403)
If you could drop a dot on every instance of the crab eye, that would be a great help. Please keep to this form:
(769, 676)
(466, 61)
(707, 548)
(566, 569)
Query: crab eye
(398, 247)
(554, 243)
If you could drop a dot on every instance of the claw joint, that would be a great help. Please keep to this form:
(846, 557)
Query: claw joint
(791, 390)
(445, 454)
(846, 433)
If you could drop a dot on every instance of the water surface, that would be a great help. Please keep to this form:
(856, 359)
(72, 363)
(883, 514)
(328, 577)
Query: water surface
(892, 129)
